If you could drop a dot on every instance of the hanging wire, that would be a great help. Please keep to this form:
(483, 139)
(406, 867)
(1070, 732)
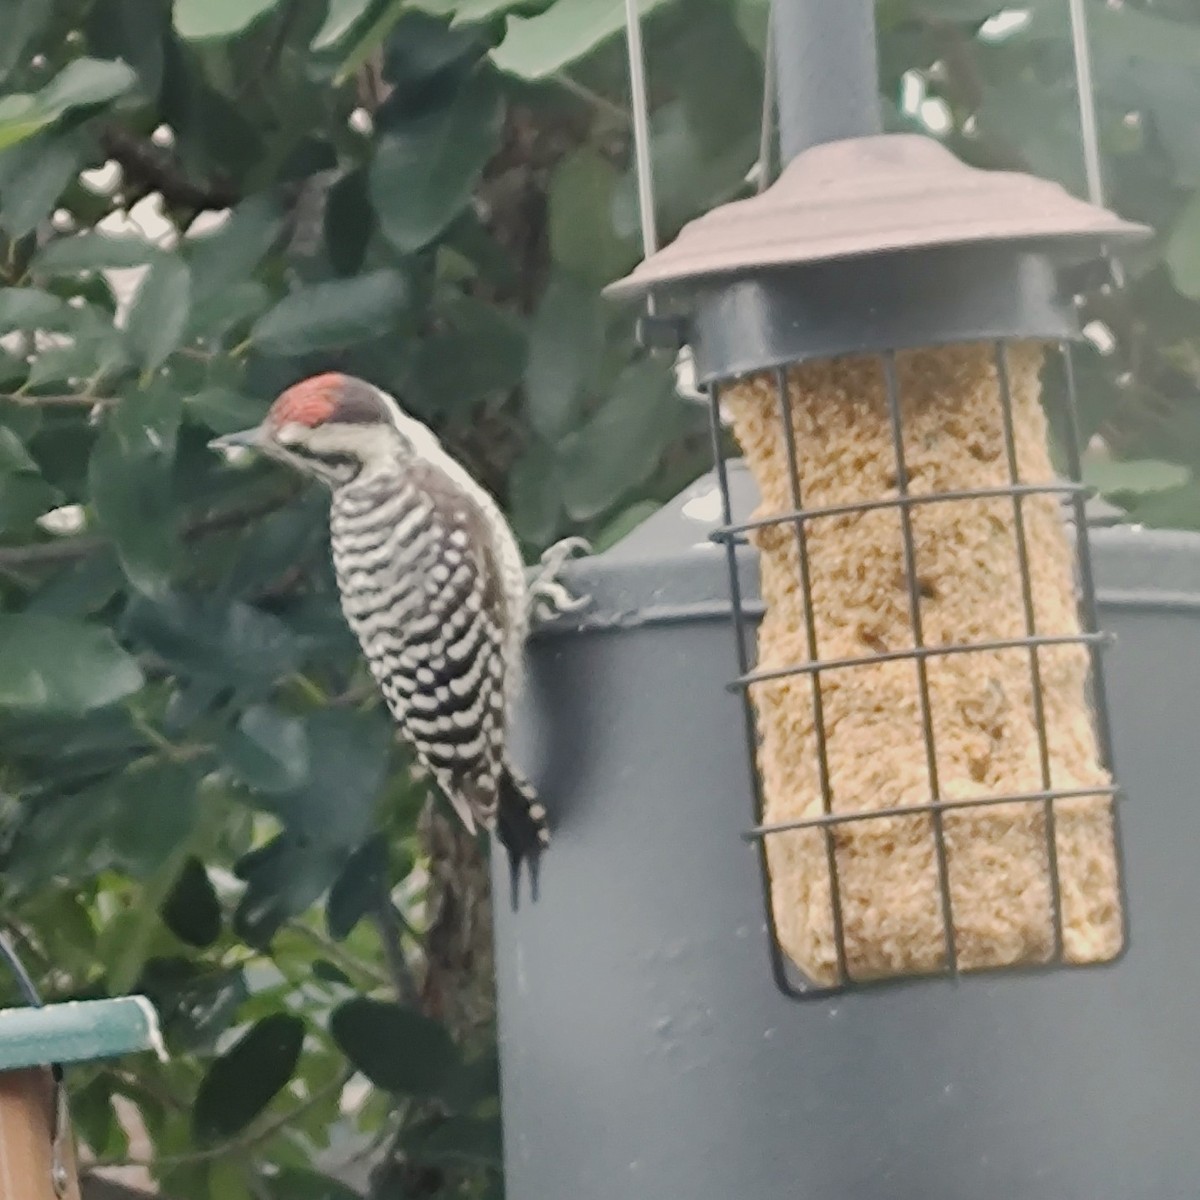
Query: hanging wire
(640, 109)
(767, 125)
(1085, 90)
(25, 983)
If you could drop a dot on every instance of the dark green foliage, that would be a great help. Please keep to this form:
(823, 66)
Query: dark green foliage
(200, 797)
(243, 1081)
(394, 1047)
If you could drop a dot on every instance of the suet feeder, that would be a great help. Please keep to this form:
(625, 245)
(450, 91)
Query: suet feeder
(917, 742)
(37, 1153)
(927, 729)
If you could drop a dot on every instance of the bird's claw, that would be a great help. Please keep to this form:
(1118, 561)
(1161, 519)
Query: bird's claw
(548, 596)
(553, 558)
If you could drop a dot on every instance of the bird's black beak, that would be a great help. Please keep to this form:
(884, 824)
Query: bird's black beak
(245, 438)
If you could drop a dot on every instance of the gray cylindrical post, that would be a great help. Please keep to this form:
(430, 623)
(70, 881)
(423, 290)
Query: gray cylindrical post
(827, 68)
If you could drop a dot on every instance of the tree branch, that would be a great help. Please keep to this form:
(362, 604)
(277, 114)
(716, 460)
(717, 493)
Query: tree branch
(391, 938)
(72, 549)
(156, 170)
(60, 400)
(97, 1187)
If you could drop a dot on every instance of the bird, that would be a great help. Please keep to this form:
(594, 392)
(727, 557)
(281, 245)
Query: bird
(433, 585)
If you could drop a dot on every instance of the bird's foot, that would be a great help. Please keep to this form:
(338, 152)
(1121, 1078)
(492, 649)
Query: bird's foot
(549, 597)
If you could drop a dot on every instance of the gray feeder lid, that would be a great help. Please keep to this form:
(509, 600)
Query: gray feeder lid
(875, 195)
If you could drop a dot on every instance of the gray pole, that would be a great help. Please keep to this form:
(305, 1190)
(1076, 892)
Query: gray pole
(827, 67)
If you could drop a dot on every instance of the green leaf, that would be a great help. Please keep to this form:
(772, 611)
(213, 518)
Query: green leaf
(29, 309)
(223, 410)
(583, 239)
(215, 315)
(1183, 249)
(200, 20)
(428, 60)
(394, 1047)
(206, 639)
(33, 176)
(458, 1141)
(535, 496)
(20, 118)
(133, 31)
(535, 47)
(23, 21)
(690, 173)
(623, 524)
(325, 316)
(97, 349)
(244, 1080)
(195, 1003)
(94, 250)
(84, 82)
(268, 751)
(54, 666)
(425, 167)
(81, 590)
(471, 12)
(621, 444)
(475, 1083)
(280, 544)
(479, 356)
(231, 252)
(130, 485)
(155, 810)
(328, 972)
(340, 19)
(372, 38)
(295, 1183)
(94, 353)
(192, 911)
(323, 821)
(358, 888)
(1175, 508)
(93, 1114)
(565, 348)
(349, 223)
(229, 1179)
(159, 312)
(13, 455)
(23, 499)
(1139, 476)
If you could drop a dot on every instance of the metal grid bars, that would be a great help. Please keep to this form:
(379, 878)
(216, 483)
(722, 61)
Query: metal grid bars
(789, 979)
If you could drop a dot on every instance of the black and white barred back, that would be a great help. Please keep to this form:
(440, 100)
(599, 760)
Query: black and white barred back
(425, 590)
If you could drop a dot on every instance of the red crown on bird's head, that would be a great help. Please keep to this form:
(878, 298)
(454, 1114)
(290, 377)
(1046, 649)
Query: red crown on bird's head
(310, 402)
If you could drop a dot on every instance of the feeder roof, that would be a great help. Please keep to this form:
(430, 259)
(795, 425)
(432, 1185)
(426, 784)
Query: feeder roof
(876, 195)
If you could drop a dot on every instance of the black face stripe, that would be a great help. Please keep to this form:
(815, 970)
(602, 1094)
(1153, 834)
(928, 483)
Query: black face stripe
(338, 462)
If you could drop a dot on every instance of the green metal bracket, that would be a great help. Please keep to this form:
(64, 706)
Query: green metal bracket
(78, 1031)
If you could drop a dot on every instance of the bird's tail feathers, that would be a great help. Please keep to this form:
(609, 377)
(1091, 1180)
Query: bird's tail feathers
(522, 830)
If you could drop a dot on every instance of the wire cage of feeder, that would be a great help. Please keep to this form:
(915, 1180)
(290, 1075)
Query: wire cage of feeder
(924, 707)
